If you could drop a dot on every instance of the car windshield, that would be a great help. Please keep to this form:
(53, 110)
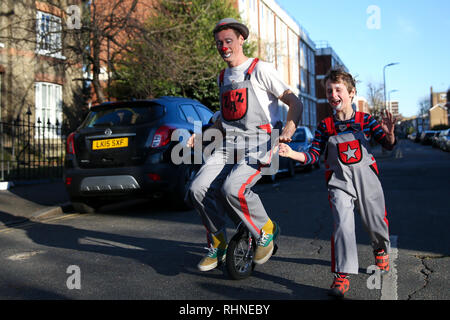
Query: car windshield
(299, 136)
(124, 115)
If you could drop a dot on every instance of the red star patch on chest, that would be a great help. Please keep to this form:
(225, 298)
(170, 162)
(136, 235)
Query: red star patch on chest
(350, 152)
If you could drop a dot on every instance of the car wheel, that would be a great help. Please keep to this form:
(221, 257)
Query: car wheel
(291, 168)
(187, 173)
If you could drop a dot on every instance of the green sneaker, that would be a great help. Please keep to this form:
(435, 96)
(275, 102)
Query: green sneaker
(264, 246)
(211, 260)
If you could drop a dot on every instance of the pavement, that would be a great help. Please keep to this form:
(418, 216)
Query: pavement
(35, 200)
(39, 200)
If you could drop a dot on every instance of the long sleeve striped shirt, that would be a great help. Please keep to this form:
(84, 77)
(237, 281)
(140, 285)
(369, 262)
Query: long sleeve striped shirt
(371, 128)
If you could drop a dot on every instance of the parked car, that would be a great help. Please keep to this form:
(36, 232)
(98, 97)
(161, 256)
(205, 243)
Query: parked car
(417, 138)
(444, 140)
(123, 150)
(435, 139)
(412, 136)
(425, 137)
(301, 141)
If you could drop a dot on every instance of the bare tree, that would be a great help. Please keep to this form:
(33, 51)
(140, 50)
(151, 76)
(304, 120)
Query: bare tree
(105, 35)
(177, 54)
(424, 105)
(93, 36)
(375, 99)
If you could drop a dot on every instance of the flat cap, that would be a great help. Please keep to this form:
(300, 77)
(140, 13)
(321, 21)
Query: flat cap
(233, 24)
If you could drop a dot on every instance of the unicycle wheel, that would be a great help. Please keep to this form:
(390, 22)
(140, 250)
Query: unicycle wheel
(240, 253)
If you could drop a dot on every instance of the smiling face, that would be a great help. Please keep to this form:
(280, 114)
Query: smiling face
(229, 44)
(338, 95)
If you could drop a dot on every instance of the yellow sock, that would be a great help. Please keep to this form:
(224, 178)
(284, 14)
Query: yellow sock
(268, 227)
(219, 240)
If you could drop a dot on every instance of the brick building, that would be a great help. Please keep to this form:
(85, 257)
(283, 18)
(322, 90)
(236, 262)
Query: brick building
(282, 41)
(326, 58)
(37, 75)
(116, 22)
(438, 113)
(361, 104)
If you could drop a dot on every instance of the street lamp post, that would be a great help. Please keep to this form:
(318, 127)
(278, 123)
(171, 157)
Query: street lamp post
(384, 79)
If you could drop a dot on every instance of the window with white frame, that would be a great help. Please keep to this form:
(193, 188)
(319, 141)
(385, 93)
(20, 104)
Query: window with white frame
(48, 35)
(48, 108)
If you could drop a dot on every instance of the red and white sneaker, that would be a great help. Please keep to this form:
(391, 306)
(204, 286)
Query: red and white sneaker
(381, 260)
(340, 285)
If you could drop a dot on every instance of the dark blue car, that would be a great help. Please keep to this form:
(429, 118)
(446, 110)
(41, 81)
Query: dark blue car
(123, 150)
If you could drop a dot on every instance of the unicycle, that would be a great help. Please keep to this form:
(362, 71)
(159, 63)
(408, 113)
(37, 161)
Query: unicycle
(240, 252)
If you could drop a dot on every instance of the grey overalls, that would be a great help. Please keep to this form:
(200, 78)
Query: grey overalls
(352, 176)
(223, 184)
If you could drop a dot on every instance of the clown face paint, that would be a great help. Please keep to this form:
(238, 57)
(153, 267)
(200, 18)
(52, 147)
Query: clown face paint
(229, 46)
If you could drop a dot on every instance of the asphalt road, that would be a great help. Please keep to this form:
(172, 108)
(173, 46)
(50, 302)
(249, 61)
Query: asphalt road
(147, 251)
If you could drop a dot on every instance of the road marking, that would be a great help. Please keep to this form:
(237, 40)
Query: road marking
(107, 243)
(29, 223)
(389, 283)
(24, 255)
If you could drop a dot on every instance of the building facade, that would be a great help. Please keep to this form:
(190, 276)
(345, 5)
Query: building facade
(439, 105)
(37, 75)
(283, 42)
(438, 115)
(326, 59)
(361, 104)
(393, 108)
(437, 97)
(116, 23)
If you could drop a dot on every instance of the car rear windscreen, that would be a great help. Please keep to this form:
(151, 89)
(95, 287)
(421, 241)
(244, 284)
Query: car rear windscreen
(128, 115)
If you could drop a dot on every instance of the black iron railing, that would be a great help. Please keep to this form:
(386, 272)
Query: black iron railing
(31, 150)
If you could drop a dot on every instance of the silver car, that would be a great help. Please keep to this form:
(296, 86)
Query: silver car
(444, 140)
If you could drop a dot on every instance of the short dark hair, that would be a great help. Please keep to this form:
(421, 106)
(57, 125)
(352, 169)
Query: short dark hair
(339, 74)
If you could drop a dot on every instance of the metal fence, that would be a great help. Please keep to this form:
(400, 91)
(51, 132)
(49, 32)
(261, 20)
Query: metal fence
(31, 150)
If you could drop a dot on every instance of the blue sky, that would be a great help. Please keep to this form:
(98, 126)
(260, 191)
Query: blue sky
(415, 33)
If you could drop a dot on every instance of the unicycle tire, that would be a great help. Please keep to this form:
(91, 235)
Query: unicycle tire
(239, 259)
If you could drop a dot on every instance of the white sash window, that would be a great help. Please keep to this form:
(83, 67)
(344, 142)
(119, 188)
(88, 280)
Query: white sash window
(48, 35)
(48, 108)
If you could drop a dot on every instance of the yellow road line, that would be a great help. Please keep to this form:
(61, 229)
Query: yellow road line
(29, 223)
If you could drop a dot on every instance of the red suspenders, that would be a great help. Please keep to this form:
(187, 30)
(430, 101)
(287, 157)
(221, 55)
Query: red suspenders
(247, 76)
(329, 126)
(331, 129)
(359, 118)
